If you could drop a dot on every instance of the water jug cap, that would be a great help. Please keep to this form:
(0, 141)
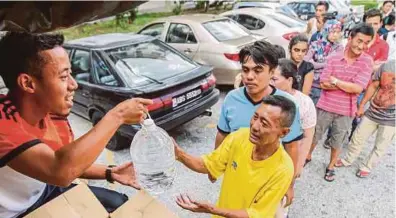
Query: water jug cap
(148, 123)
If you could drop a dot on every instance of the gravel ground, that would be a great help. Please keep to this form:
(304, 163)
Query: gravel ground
(348, 196)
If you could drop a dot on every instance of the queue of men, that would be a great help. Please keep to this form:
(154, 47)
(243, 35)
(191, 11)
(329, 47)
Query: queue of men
(258, 152)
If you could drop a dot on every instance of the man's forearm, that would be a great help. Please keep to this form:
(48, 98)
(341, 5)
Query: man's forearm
(292, 149)
(349, 87)
(219, 139)
(328, 86)
(96, 171)
(193, 163)
(369, 92)
(229, 213)
(77, 157)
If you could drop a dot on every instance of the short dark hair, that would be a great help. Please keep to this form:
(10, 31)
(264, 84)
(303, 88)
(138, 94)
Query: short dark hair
(261, 52)
(323, 3)
(373, 12)
(288, 69)
(390, 19)
(287, 106)
(386, 2)
(20, 53)
(296, 39)
(362, 28)
(280, 51)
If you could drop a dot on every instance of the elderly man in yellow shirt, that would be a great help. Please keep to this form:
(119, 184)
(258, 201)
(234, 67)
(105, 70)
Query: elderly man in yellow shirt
(257, 170)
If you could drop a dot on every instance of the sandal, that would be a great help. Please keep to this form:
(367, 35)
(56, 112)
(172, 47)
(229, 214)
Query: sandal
(362, 174)
(329, 175)
(307, 161)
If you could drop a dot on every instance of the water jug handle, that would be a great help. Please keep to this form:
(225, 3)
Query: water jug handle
(148, 116)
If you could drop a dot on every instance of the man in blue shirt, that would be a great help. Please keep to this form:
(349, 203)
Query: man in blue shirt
(258, 64)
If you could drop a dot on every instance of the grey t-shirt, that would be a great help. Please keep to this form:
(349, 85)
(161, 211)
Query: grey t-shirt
(382, 107)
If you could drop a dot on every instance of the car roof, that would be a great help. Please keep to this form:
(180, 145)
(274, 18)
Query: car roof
(192, 18)
(271, 5)
(261, 11)
(108, 40)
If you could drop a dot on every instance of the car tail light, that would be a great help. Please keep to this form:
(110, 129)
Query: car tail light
(157, 104)
(168, 101)
(211, 80)
(233, 57)
(208, 82)
(162, 102)
(289, 36)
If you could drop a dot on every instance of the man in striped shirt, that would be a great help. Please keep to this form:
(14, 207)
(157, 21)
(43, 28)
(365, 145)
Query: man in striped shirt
(345, 76)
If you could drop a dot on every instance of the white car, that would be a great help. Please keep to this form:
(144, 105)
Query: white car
(277, 28)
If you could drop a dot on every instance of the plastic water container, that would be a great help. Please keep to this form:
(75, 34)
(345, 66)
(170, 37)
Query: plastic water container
(153, 155)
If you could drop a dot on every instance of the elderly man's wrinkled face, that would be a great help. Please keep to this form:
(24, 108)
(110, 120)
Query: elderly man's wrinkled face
(266, 125)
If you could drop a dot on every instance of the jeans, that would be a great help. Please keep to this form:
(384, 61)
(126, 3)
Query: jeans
(315, 94)
(110, 200)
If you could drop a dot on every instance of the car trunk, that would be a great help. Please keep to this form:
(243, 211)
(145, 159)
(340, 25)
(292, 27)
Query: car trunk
(179, 91)
(241, 42)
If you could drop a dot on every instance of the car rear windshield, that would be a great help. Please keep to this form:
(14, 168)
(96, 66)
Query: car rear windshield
(224, 30)
(148, 62)
(286, 20)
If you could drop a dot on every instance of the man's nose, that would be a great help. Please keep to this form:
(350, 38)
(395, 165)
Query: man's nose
(250, 75)
(72, 84)
(255, 126)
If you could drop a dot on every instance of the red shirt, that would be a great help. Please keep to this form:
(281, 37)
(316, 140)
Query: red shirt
(379, 49)
(16, 135)
(359, 72)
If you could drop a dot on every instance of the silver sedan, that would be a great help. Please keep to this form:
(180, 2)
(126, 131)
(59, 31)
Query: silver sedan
(207, 39)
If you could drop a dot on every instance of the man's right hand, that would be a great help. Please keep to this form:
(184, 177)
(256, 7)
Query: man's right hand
(132, 111)
(360, 112)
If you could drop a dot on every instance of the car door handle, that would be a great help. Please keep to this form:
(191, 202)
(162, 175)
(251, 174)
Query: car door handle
(188, 50)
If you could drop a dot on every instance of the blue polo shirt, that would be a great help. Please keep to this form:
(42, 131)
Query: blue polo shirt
(238, 109)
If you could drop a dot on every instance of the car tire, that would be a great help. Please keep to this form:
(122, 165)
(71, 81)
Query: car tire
(117, 142)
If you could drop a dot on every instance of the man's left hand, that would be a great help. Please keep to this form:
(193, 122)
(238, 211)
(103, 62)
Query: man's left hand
(185, 202)
(125, 175)
(289, 196)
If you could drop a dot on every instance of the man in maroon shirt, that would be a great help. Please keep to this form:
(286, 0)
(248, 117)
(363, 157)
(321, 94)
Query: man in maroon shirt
(377, 48)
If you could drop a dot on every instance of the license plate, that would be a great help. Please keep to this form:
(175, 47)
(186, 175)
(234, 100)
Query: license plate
(179, 100)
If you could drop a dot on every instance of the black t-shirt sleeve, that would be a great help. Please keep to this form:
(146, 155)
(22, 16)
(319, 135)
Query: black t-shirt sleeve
(309, 68)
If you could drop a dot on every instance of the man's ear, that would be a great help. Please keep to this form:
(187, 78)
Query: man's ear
(26, 83)
(284, 131)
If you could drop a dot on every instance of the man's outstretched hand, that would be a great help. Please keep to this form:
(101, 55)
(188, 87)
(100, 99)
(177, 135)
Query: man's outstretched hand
(185, 202)
(125, 174)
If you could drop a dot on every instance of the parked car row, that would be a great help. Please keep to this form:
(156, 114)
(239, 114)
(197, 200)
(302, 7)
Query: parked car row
(207, 39)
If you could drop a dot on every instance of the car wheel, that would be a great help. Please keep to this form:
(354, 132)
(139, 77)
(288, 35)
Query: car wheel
(117, 142)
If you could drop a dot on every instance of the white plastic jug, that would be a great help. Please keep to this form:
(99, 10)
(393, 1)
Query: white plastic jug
(153, 155)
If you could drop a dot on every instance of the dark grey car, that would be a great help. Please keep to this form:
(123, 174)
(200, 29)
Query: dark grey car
(110, 68)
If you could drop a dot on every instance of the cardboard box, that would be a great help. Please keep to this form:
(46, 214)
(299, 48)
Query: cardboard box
(80, 202)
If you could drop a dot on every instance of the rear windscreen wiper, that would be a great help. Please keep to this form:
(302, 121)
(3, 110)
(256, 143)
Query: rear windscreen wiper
(130, 68)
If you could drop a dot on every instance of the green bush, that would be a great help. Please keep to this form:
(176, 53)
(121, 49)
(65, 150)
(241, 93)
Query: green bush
(368, 4)
(177, 9)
